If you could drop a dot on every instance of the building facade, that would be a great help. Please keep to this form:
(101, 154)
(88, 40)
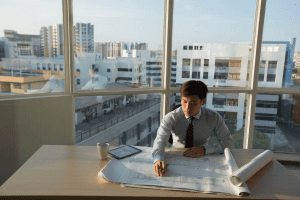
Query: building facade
(83, 39)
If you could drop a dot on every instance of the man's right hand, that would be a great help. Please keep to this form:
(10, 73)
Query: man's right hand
(160, 168)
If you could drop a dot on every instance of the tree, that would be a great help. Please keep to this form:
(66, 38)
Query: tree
(260, 140)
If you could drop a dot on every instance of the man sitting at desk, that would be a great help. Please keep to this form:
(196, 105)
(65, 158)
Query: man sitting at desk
(190, 126)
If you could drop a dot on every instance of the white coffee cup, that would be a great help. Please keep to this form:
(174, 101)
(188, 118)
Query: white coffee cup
(103, 150)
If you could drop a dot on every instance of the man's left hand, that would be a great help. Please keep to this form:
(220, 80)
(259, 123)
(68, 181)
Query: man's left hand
(194, 152)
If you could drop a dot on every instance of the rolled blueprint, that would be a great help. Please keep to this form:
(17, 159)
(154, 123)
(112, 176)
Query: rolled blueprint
(241, 175)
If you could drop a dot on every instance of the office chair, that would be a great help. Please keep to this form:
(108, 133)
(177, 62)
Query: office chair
(171, 138)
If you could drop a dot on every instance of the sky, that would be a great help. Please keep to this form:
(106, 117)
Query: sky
(194, 21)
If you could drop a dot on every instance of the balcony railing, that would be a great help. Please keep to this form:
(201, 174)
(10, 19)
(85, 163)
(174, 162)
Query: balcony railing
(80, 135)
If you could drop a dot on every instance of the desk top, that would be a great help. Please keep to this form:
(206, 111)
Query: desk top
(73, 170)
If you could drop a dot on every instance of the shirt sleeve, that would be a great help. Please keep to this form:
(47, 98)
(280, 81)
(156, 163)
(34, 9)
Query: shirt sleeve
(162, 137)
(223, 135)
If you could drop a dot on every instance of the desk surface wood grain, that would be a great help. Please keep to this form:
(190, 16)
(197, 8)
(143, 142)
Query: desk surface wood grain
(73, 170)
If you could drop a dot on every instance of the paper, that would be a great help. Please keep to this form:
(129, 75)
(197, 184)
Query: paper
(241, 175)
(207, 174)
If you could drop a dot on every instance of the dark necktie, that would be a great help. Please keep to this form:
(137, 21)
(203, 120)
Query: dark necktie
(189, 142)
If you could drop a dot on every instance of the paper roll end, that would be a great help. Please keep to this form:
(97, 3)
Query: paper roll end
(235, 180)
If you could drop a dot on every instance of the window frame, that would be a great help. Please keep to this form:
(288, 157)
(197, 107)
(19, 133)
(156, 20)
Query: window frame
(251, 90)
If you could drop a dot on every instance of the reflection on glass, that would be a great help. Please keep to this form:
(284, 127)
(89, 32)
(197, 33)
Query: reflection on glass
(118, 119)
(118, 42)
(31, 48)
(277, 122)
(231, 107)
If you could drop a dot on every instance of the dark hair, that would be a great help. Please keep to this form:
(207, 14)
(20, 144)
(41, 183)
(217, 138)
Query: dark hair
(194, 88)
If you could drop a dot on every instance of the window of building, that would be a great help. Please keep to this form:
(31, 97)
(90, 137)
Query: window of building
(78, 70)
(262, 64)
(196, 75)
(205, 75)
(272, 64)
(185, 74)
(184, 47)
(195, 47)
(201, 47)
(186, 62)
(124, 70)
(196, 62)
(206, 62)
(190, 47)
(78, 81)
(271, 77)
(261, 77)
(108, 70)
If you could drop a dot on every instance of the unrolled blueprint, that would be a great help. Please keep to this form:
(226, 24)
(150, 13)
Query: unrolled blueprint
(207, 174)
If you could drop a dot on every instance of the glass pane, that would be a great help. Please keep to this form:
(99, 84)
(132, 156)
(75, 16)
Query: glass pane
(118, 120)
(277, 122)
(216, 37)
(281, 30)
(232, 108)
(31, 47)
(118, 42)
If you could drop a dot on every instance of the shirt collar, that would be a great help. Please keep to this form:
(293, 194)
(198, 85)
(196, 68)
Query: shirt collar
(197, 116)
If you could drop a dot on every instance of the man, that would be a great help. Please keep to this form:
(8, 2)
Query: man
(191, 126)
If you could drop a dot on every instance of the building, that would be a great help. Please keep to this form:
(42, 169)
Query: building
(223, 65)
(27, 45)
(32, 75)
(83, 39)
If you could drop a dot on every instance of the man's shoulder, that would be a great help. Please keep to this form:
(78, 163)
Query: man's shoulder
(176, 113)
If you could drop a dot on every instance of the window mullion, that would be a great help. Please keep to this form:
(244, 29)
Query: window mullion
(167, 56)
(253, 78)
(68, 45)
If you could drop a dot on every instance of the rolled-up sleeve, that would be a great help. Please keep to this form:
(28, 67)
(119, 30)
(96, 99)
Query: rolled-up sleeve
(162, 137)
(223, 135)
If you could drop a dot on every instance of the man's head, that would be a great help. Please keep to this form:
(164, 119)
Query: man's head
(193, 96)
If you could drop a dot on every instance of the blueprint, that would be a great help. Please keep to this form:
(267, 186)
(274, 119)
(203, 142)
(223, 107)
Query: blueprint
(209, 174)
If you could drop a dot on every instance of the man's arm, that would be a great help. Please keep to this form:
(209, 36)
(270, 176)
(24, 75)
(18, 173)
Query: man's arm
(162, 137)
(223, 135)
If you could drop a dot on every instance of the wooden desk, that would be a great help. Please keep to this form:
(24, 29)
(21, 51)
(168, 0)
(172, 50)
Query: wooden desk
(57, 170)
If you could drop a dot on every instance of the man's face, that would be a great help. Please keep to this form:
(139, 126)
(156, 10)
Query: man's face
(191, 105)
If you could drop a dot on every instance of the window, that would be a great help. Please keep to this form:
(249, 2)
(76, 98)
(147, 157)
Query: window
(186, 62)
(78, 81)
(262, 64)
(185, 74)
(124, 70)
(206, 62)
(261, 77)
(271, 77)
(196, 75)
(196, 62)
(272, 64)
(108, 70)
(217, 48)
(78, 70)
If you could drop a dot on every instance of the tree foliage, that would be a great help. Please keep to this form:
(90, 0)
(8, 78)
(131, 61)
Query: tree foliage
(260, 140)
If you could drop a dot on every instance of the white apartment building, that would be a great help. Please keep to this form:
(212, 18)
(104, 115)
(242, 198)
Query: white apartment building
(122, 70)
(27, 45)
(222, 65)
(83, 40)
(52, 40)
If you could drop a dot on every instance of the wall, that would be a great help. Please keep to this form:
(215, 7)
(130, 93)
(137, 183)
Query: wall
(27, 124)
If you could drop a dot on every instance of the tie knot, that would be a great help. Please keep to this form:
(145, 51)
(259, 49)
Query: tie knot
(191, 118)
